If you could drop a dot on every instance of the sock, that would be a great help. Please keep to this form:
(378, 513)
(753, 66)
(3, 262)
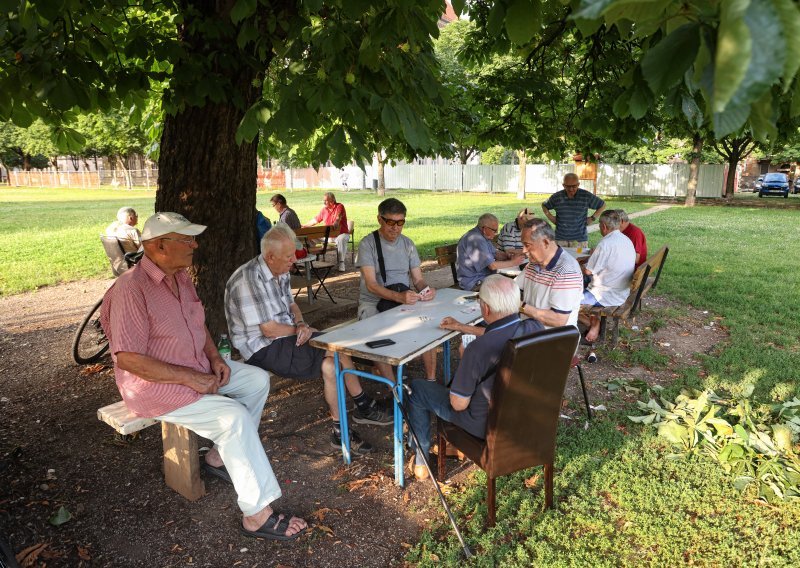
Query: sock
(362, 401)
(336, 427)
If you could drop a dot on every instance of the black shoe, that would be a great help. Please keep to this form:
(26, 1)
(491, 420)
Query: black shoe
(357, 445)
(374, 414)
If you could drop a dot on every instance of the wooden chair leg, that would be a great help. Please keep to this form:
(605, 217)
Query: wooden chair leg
(615, 334)
(181, 461)
(548, 485)
(490, 501)
(441, 459)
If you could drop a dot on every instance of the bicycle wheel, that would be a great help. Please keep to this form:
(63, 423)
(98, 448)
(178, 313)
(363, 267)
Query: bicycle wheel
(90, 342)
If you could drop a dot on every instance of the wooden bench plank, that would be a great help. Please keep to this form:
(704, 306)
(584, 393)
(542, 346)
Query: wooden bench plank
(123, 420)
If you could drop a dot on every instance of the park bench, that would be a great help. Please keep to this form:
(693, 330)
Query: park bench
(645, 278)
(445, 255)
(181, 455)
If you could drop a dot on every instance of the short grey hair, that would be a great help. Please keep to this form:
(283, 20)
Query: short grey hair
(540, 229)
(391, 206)
(623, 217)
(610, 219)
(501, 294)
(487, 217)
(276, 236)
(124, 213)
(572, 175)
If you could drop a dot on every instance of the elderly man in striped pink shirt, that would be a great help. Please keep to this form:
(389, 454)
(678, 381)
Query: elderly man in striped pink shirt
(167, 367)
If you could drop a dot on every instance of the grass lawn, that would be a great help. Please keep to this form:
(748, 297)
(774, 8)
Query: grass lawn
(621, 500)
(51, 235)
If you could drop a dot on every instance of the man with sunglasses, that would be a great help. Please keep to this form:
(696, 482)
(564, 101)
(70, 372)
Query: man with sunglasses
(401, 269)
(476, 256)
(572, 205)
(167, 367)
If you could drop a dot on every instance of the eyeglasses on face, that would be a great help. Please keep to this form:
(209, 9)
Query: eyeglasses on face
(571, 185)
(490, 228)
(393, 222)
(188, 241)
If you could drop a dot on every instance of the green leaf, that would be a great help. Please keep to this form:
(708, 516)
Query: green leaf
(458, 6)
(21, 117)
(61, 96)
(60, 517)
(691, 111)
(741, 482)
(496, 17)
(68, 140)
(665, 63)
(243, 9)
(640, 101)
(734, 50)
(313, 5)
(674, 432)
(789, 17)
(730, 120)
(762, 120)
(523, 20)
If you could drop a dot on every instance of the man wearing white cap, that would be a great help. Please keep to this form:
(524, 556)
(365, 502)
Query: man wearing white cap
(167, 367)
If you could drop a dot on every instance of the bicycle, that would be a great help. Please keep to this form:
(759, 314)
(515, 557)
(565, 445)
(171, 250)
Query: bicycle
(90, 342)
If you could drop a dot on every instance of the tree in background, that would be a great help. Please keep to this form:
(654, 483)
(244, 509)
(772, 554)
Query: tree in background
(113, 136)
(328, 73)
(27, 148)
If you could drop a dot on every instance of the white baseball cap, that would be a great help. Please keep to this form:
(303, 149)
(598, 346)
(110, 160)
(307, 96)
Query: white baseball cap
(163, 223)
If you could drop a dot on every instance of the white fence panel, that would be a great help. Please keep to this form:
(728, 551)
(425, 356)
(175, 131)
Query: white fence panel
(448, 177)
(423, 176)
(545, 178)
(398, 177)
(711, 180)
(505, 179)
(478, 178)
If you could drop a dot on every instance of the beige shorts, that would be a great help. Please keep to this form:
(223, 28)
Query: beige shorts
(367, 310)
(573, 244)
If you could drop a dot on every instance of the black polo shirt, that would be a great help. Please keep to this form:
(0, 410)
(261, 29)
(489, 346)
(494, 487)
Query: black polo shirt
(479, 361)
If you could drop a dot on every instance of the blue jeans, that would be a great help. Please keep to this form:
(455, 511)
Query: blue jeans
(427, 397)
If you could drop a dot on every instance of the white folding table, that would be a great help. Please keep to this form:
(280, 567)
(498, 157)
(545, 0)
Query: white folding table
(415, 330)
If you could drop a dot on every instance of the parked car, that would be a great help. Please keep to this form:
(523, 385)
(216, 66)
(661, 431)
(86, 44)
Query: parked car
(797, 184)
(757, 185)
(774, 184)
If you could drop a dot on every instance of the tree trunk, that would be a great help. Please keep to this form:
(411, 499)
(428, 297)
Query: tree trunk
(381, 174)
(730, 181)
(523, 160)
(210, 180)
(694, 169)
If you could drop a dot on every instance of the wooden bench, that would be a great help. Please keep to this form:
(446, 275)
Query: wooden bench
(645, 278)
(315, 239)
(447, 255)
(181, 455)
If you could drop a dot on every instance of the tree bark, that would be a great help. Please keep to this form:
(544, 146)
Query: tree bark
(523, 160)
(381, 173)
(210, 180)
(694, 170)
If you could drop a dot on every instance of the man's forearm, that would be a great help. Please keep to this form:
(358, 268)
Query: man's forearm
(274, 330)
(210, 349)
(546, 317)
(154, 370)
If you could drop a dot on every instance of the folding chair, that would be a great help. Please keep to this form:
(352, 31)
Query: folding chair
(319, 268)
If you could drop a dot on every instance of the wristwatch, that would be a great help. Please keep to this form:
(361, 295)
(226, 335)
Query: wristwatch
(522, 308)
(299, 323)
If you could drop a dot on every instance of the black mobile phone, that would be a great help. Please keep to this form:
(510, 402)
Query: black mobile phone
(379, 343)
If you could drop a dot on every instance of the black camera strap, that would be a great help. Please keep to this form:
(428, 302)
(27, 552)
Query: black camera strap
(379, 250)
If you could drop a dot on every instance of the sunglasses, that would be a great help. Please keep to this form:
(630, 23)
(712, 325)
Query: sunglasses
(392, 222)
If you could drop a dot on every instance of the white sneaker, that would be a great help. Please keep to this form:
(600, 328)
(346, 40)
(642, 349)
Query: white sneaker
(341, 267)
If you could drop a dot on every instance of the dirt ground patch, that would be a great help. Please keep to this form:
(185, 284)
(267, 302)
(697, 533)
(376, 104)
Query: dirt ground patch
(54, 452)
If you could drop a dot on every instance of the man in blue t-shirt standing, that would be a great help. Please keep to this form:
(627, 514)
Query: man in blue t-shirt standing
(466, 402)
(572, 205)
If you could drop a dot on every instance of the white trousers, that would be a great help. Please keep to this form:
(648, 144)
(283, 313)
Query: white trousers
(231, 419)
(341, 246)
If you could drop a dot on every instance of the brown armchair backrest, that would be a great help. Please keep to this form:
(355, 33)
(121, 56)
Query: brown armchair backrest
(526, 400)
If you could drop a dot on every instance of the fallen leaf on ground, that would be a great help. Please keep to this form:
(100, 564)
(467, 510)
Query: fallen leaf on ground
(325, 529)
(320, 514)
(60, 517)
(405, 545)
(532, 480)
(92, 369)
(28, 556)
(83, 553)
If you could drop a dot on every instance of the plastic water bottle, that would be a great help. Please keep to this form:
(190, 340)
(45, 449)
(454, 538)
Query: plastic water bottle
(224, 347)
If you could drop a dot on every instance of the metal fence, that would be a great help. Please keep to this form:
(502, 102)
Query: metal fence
(669, 180)
(140, 179)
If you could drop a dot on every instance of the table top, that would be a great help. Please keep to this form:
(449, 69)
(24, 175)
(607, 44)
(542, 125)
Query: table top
(414, 328)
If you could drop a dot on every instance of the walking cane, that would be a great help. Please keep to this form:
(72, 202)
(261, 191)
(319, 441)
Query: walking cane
(467, 552)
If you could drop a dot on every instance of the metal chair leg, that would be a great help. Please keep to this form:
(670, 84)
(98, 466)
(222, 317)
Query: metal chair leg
(548, 485)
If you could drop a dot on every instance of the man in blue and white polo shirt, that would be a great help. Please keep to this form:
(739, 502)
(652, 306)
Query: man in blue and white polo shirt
(572, 205)
(552, 283)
